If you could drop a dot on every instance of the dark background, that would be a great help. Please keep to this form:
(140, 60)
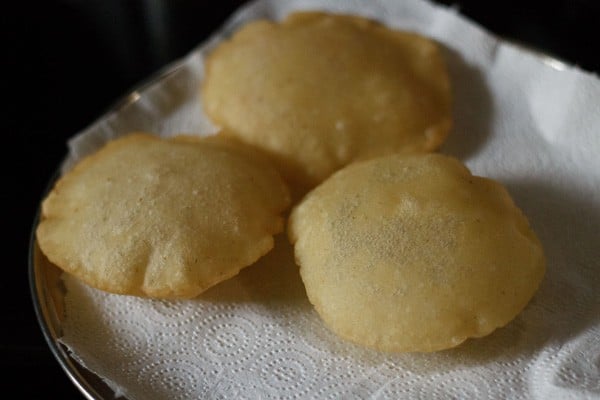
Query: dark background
(65, 62)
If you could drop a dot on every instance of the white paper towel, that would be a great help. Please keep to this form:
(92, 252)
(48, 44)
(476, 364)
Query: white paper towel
(525, 120)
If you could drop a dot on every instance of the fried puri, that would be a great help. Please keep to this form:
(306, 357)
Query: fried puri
(162, 218)
(318, 91)
(412, 253)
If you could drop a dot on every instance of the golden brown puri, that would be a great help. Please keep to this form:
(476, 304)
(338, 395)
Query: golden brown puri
(412, 253)
(318, 91)
(163, 218)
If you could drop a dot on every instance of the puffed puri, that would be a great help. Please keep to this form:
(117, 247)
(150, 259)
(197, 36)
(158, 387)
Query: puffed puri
(162, 218)
(317, 91)
(412, 253)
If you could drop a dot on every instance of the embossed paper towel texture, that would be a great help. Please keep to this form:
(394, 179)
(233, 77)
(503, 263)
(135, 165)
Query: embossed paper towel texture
(531, 123)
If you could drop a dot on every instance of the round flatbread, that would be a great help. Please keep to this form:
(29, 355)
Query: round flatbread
(162, 218)
(412, 253)
(318, 91)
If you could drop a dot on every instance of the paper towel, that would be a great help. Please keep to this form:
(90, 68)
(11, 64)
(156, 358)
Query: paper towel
(530, 122)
